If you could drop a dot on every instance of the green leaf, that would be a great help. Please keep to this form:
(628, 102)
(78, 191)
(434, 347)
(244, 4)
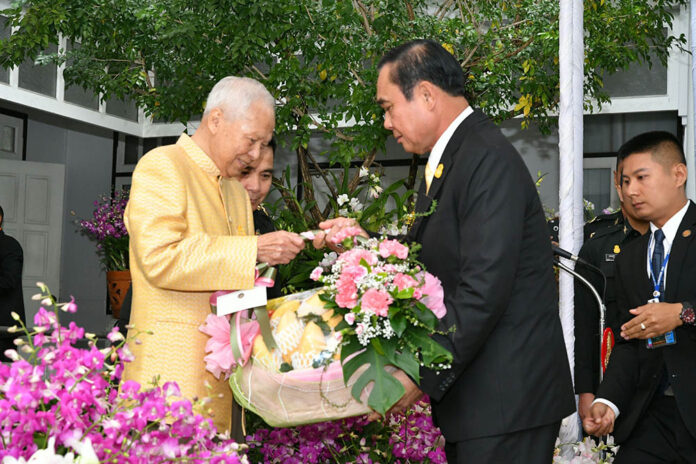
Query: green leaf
(386, 390)
(425, 315)
(405, 294)
(408, 362)
(398, 322)
(430, 350)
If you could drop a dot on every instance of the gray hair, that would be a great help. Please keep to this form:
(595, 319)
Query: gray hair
(234, 95)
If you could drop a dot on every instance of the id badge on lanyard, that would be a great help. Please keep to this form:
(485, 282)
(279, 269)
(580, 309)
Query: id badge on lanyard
(668, 338)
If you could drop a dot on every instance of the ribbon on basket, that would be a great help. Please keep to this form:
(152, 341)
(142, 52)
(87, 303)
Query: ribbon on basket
(232, 340)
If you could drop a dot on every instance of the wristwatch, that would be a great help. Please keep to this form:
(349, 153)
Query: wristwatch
(687, 315)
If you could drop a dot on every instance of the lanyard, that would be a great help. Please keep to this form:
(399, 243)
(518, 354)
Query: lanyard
(658, 284)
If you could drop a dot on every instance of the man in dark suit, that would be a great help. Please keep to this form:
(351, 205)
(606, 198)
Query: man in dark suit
(649, 385)
(11, 300)
(487, 241)
(600, 249)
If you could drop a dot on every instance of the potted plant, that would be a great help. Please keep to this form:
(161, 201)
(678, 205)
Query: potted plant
(107, 228)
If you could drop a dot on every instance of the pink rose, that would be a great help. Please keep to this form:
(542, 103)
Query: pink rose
(354, 256)
(316, 273)
(353, 273)
(347, 295)
(404, 281)
(434, 295)
(360, 328)
(345, 233)
(393, 248)
(349, 318)
(376, 301)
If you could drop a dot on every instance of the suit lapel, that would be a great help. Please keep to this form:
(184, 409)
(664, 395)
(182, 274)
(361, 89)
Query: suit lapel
(677, 255)
(448, 156)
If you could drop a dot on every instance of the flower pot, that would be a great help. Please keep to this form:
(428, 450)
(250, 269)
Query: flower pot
(118, 283)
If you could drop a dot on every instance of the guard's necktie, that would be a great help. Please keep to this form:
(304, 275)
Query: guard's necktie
(656, 262)
(657, 257)
(428, 177)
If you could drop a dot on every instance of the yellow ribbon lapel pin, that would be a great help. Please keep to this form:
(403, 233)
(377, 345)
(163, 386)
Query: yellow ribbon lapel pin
(438, 171)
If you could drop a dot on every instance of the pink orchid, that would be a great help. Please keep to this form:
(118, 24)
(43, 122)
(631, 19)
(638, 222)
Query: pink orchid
(220, 359)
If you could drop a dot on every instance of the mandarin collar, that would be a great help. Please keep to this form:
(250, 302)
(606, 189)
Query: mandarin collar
(198, 156)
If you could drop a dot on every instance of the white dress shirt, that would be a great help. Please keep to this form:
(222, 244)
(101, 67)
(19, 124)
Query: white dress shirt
(441, 144)
(670, 230)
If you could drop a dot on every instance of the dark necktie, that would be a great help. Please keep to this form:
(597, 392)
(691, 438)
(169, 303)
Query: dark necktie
(656, 262)
(657, 257)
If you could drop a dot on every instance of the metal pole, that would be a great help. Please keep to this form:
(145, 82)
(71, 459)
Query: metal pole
(602, 310)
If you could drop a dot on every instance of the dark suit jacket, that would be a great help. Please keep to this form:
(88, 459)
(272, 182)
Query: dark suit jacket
(633, 375)
(601, 250)
(11, 261)
(487, 242)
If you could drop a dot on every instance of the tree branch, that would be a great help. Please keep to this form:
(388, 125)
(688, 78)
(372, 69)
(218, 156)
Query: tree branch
(409, 11)
(339, 134)
(363, 12)
(253, 68)
(442, 11)
(355, 181)
(322, 173)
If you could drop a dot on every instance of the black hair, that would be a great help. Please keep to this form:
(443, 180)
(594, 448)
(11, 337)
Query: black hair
(424, 60)
(663, 147)
(2, 216)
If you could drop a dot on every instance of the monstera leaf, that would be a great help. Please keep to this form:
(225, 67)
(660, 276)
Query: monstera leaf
(378, 354)
(386, 390)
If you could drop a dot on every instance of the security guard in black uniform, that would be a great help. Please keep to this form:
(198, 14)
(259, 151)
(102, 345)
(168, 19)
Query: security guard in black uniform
(611, 233)
(603, 221)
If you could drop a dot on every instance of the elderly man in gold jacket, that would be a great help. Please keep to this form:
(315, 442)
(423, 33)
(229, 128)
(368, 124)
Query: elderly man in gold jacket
(191, 233)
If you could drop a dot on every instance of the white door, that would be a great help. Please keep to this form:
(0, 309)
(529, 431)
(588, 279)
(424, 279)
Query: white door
(31, 194)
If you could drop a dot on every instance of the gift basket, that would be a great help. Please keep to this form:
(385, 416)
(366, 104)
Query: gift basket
(329, 353)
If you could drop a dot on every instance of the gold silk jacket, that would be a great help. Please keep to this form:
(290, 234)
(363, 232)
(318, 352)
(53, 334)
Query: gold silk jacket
(191, 233)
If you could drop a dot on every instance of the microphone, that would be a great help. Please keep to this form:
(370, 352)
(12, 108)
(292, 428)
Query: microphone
(558, 251)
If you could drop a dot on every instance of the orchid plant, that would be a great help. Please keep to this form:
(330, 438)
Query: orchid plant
(586, 451)
(60, 403)
(107, 228)
(403, 438)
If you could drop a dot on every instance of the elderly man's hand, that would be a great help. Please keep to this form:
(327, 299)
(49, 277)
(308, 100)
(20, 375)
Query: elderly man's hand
(330, 228)
(412, 394)
(279, 247)
(651, 320)
(601, 420)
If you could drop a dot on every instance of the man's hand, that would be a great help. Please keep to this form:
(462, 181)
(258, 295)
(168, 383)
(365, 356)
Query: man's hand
(657, 318)
(330, 228)
(601, 420)
(584, 402)
(412, 394)
(279, 247)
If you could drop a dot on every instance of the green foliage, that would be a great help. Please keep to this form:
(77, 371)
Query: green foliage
(319, 57)
(386, 390)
